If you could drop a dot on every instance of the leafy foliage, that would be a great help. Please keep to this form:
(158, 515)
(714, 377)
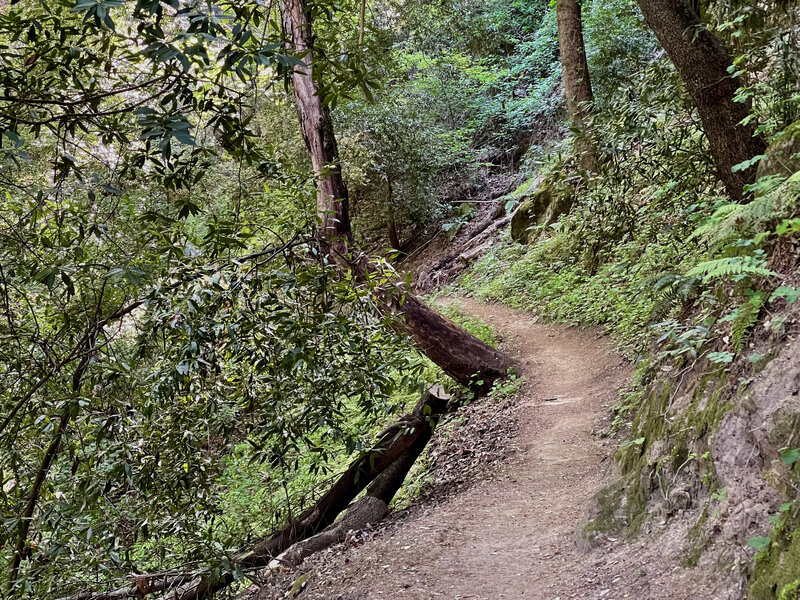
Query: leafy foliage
(726, 267)
(182, 367)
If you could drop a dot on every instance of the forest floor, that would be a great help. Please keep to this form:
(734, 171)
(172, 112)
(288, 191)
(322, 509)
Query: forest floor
(512, 532)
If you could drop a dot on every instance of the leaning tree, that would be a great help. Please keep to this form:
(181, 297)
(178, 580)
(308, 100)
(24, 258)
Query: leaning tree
(460, 354)
(705, 65)
(140, 328)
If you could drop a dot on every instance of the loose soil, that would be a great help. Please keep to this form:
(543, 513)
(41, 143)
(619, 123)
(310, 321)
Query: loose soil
(512, 531)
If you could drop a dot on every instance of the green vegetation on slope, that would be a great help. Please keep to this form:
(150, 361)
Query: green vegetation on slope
(184, 365)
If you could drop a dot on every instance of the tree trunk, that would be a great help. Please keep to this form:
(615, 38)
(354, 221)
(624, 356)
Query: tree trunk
(384, 467)
(391, 226)
(359, 515)
(577, 85)
(316, 126)
(392, 477)
(702, 62)
(395, 442)
(460, 354)
(391, 232)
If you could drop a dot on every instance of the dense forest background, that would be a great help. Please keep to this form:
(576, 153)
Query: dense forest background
(187, 364)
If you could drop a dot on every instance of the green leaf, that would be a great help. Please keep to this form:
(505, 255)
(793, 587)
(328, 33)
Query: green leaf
(790, 456)
(789, 293)
(744, 165)
(721, 357)
(367, 92)
(759, 543)
(47, 276)
(788, 227)
(184, 137)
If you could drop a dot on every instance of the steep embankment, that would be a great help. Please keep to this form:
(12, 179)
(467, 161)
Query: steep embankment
(513, 534)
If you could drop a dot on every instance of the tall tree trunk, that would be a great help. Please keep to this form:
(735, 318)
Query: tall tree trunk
(577, 85)
(460, 354)
(703, 61)
(391, 226)
(316, 126)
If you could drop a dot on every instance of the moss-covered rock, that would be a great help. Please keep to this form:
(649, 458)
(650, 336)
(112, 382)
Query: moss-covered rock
(542, 203)
(666, 466)
(606, 515)
(777, 571)
(783, 155)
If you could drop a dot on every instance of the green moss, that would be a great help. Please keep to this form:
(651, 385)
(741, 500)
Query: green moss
(790, 591)
(478, 328)
(777, 569)
(608, 517)
(710, 401)
(637, 495)
(699, 539)
(541, 207)
(523, 188)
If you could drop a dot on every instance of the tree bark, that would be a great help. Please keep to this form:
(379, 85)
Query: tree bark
(470, 361)
(316, 126)
(391, 232)
(393, 443)
(359, 515)
(575, 73)
(391, 226)
(460, 354)
(702, 62)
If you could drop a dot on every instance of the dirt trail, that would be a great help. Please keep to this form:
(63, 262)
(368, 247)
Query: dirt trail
(513, 535)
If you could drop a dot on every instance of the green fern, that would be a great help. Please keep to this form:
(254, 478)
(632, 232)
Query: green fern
(727, 267)
(746, 317)
(730, 221)
(671, 290)
(711, 226)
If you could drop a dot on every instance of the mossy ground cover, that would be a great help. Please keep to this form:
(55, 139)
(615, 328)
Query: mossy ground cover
(777, 569)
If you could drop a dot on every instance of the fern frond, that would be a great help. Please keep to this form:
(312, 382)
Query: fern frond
(730, 221)
(672, 290)
(712, 223)
(727, 267)
(746, 317)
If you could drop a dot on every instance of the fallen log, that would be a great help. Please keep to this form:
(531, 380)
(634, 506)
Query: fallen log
(386, 464)
(146, 583)
(451, 263)
(392, 443)
(362, 513)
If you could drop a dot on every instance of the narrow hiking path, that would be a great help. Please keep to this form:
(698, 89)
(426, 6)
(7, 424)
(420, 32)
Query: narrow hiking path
(513, 534)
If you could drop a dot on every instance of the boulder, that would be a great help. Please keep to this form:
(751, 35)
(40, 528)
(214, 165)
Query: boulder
(542, 204)
(783, 155)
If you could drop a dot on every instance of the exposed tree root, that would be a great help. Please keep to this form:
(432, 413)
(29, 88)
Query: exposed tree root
(380, 471)
(361, 513)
